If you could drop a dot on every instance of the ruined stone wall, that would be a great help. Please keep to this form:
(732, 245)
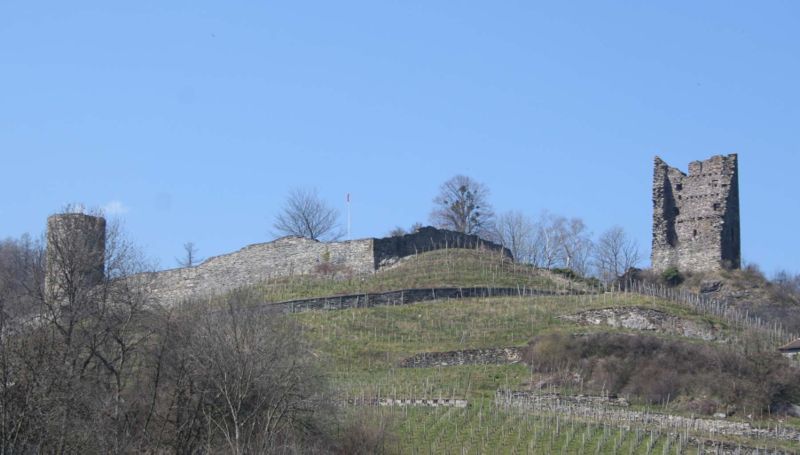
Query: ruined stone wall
(696, 216)
(84, 237)
(389, 250)
(290, 256)
(287, 256)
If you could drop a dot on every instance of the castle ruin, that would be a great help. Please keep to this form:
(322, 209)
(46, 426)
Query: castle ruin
(696, 216)
(76, 249)
(75, 255)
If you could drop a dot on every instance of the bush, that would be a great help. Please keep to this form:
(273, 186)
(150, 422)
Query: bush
(368, 433)
(672, 276)
(654, 371)
(566, 273)
(575, 276)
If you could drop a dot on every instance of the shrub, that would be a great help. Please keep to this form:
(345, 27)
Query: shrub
(654, 370)
(672, 276)
(368, 433)
(566, 273)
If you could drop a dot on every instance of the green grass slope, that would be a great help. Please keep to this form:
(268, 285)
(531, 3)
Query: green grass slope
(364, 346)
(440, 268)
(362, 349)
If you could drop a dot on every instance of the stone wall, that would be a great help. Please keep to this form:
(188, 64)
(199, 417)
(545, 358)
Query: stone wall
(696, 216)
(84, 236)
(609, 409)
(291, 256)
(390, 249)
(399, 297)
(412, 402)
(287, 256)
(488, 356)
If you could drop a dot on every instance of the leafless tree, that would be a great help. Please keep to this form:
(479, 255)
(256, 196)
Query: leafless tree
(462, 205)
(305, 214)
(560, 242)
(190, 257)
(787, 281)
(577, 245)
(516, 232)
(71, 359)
(615, 253)
(257, 380)
(397, 232)
(94, 366)
(546, 251)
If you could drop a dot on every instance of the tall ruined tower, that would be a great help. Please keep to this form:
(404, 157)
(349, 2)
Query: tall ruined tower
(76, 245)
(696, 216)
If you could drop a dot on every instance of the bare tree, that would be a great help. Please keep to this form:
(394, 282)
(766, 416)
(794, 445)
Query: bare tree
(397, 232)
(615, 253)
(190, 258)
(546, 251)
(89, 364)
(576, 244)
(516, 232)
(560, 242)
(305, 214)
(256, 378)
(462, 205)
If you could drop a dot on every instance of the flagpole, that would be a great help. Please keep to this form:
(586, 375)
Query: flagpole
(348, 217)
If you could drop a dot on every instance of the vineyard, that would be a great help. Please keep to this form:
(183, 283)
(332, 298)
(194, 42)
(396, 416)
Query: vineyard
(363, 350)
(479, 430)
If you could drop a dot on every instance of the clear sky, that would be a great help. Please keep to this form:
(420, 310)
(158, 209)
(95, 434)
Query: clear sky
(192, 119)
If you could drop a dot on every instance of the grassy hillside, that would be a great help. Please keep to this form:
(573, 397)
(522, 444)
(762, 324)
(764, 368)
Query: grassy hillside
(440, 268)
(362, 350)
(364, 346)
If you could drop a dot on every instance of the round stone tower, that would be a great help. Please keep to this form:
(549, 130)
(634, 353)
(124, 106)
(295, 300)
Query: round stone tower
(76, 247)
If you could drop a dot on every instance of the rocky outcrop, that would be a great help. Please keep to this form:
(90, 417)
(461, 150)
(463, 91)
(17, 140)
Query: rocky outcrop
(646, 319)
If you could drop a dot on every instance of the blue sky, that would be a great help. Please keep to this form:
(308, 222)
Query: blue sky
(195, 118)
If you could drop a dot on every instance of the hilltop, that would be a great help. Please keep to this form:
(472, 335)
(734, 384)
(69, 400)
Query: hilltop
(449, 267)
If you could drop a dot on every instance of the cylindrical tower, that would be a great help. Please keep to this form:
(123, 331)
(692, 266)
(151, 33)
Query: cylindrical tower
(76, 247)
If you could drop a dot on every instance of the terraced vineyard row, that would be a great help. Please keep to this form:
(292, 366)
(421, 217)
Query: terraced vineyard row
(481, 430)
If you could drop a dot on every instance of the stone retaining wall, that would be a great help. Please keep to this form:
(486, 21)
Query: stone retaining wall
(604, 410)
(401, 297)
(490, 356)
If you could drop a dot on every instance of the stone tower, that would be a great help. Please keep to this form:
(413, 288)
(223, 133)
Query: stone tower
(696, 216)
(76, 245)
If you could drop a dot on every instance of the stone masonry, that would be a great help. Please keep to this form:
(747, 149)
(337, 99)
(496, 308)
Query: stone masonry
(82, 238)
(696, 216)
(291, 256)
(75, 256)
